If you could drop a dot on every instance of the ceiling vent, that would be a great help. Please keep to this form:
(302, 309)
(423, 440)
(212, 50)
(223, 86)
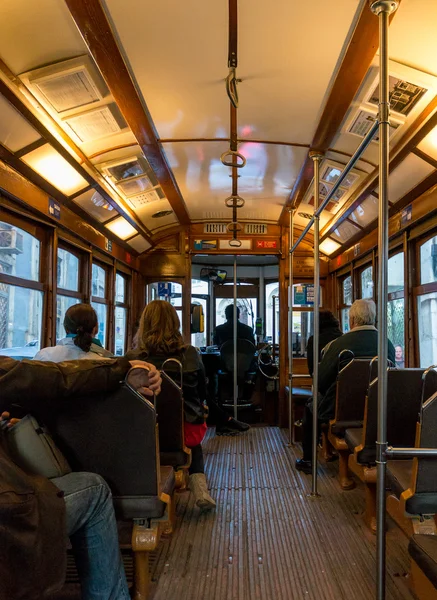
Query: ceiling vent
(255, 228)
(96, 123)
(162, 213)
(215, 228)
(305, 215)
(68, 85)
(143, 199)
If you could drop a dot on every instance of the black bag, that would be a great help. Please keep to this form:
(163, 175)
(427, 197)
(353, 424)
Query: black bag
(32, 533)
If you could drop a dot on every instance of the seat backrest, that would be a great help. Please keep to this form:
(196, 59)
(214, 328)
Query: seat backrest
(114, 435)
(404, 398)
(429, 383)
(426, 479)
(352, 386)
(245, 354)
(169, 405)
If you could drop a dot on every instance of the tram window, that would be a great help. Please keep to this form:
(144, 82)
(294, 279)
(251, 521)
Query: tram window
(346, 297)
(272, 289)
(21, 305)
(427, 318)
(68, 270)
(247, 306)
(396, 306)
(302, 329)
(101, 317)
(396, 273)
(428, 261)
(199, 287)
(366, 279)
(98, 281)
(20, 321)
(120, 314)
(19, 253)
(99, 299)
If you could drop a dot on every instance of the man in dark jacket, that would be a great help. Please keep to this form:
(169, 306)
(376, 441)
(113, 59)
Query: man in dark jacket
(225, 332)
(362, 341)
(90, 517)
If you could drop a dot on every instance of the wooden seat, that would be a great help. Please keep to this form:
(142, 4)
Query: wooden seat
(404, 398)
(413, 503)
(352, 386)
(116, 436)
(299, 397)
(169, 405)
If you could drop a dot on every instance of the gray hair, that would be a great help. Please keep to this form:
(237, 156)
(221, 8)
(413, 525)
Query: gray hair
(363, 312)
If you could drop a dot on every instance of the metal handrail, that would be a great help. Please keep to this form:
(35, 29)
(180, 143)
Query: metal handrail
(359, 151)
(392, 452)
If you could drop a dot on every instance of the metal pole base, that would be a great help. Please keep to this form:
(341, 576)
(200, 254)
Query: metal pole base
(314, 496)
(388, 6)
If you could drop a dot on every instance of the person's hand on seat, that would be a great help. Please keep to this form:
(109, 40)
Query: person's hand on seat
(6, 421)
(154, 379)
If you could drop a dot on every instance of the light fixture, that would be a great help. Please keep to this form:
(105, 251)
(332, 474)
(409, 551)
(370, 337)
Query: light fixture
(328, 246)
(429, 144)
(121, 228)
(48, 163)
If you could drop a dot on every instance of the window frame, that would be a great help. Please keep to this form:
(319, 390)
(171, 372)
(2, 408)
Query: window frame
(126, 304)
(107, 300)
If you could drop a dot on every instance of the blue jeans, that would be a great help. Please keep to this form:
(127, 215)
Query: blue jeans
(92, 529)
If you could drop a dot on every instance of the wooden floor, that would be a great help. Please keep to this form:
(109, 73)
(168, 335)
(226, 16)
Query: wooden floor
(267, 539)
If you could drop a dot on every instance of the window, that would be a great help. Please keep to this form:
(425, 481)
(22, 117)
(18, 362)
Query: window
(68, 292)
(120, 314)
(99, 299)
(428, 261)
(21, 292)
(247, 306)
(302, 329)
(427, 320)
(366, 281)
(396, 306)
(168, 291)
(346, 302)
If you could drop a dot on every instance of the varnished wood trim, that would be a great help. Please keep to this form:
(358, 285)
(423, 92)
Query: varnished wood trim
(20, 282)
(425, 157)
(30, 147)
(96, 31)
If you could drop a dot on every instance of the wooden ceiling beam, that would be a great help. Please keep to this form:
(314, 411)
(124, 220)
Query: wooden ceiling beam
(98, 36)
(355, 64)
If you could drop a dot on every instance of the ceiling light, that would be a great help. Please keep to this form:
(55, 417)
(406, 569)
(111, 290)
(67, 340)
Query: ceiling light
(55, 169)
(121, 228)
(328, 246)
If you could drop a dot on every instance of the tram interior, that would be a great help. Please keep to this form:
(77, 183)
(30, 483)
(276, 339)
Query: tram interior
(265, 156)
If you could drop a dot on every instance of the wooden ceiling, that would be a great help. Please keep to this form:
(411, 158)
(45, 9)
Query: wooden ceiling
(307, 76)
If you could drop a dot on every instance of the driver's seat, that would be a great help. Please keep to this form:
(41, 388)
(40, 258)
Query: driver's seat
(246, 370)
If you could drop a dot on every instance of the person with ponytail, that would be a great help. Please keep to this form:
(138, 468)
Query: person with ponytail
(81, 326)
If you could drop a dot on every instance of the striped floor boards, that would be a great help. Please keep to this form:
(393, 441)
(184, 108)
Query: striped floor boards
(267, 539)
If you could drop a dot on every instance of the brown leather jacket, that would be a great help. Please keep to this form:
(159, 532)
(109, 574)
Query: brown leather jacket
(32, 514)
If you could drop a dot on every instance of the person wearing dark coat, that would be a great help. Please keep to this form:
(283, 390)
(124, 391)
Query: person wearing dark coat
(329, 330)
(225, 332)
(362, 341)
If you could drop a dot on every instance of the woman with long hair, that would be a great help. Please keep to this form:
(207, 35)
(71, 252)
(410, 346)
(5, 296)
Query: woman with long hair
(158, 339)
(81, 327)
(329, 330)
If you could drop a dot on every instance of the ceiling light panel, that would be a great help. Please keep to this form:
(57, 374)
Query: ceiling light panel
(345, 231)
(366, 212)
(407, 176)
(139, 244)
(55, 169)
(121, 228)
(95, 124)
(96, 206)
(429, 144)
(328, 246)
(15, 131)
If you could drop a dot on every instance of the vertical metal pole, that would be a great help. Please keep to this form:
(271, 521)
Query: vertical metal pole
(382, 8)
(290, 330)
(235, 340)
(262, 300)
(317, 157)
(273, 326)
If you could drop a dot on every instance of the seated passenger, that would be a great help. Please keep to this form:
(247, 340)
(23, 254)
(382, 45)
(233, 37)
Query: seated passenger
(329, 330)
(158, 339)
(81, 326)
(400, 363)
(90, 517)
(225, 332)
(362, 340)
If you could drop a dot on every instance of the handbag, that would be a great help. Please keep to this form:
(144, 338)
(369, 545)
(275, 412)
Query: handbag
(32, 448)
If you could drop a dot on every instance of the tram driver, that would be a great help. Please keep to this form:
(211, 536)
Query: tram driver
(362, 340)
